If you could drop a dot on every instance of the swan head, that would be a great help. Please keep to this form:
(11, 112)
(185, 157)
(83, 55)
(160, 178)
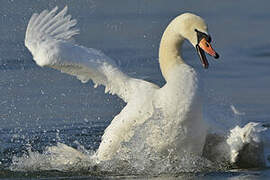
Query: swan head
(194, 29)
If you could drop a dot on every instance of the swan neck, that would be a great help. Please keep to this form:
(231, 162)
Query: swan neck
(170, 51)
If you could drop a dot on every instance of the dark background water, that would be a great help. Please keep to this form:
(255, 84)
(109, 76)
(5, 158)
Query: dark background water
(39, 107)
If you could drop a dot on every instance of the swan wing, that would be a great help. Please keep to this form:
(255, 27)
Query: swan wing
(49, 39)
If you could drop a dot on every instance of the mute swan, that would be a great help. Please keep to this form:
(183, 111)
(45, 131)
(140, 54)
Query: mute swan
(177, 104)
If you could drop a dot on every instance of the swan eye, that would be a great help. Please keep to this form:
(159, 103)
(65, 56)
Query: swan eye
(201, 35)
(208, 38)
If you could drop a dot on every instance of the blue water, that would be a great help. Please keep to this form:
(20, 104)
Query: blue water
(40, 107)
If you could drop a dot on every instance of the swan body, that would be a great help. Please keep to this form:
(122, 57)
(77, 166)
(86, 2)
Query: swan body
(174, 110)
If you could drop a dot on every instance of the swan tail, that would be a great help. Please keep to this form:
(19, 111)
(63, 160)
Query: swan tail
(49, 25)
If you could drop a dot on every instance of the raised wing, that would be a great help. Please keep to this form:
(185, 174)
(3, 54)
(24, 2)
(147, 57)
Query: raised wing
(48, 38)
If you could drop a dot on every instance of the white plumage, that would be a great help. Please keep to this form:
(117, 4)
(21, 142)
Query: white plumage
(172, 114)
(47, 38)
(166, 120)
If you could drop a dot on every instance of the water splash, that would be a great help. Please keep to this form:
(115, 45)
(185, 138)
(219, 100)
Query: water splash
(67, 159)
(60, 157)
(236, 111)
(136, 156)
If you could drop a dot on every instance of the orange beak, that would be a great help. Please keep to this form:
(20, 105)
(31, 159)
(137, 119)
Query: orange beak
(205, 46)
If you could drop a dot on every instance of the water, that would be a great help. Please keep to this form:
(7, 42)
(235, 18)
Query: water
(41, 108)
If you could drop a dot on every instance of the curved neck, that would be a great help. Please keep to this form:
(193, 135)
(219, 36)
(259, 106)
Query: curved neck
(170, 50)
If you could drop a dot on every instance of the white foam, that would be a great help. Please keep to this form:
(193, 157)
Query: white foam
(60, 157)
(65, 158)
(256, 139)
(136, 157)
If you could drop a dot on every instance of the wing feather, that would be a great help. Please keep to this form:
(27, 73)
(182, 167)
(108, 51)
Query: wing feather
(47, 38)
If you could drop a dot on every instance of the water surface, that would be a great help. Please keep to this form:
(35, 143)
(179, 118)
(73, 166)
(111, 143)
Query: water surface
(42, 107)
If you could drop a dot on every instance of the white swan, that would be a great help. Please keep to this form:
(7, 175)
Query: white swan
(176, 106)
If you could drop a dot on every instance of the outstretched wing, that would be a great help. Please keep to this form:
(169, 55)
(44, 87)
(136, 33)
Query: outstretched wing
(48, 38)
